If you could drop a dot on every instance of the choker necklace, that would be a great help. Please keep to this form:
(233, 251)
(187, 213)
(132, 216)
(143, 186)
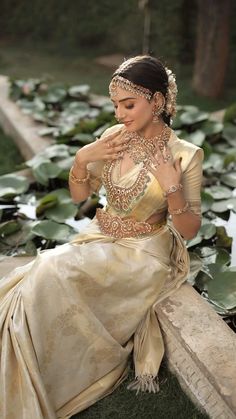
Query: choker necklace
(140, 148)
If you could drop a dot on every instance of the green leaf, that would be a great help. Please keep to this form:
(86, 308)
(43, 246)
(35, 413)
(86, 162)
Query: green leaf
(219, 192)
(223, 240)
(229, 179)
(51, 230)
(225, 205)
(229, 134)
(45, 171)
(9, 227)
(193, 116)
(207, 201)
(80, 91)
(48, 201)
(12, 185)
(62, 212)
(208, 231)
(222, 289)
(211, 127)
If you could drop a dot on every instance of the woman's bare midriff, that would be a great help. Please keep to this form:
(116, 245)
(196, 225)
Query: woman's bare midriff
(157, 217)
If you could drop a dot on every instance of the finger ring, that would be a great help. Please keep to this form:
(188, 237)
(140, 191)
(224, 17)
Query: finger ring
(166, 158)
(155, 165)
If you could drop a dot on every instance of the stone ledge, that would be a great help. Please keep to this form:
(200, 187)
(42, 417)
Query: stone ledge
(200, 348)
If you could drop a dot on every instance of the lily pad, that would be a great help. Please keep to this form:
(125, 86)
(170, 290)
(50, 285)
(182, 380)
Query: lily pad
(229, 134)
(229, 179)
(80, 91)
(207, 201)
(9, 227)
(193, 116)
(61, 212)
(212, 127)
(51, 230)
(222, 289)
(224, 205)
(219, 192)
(12, 185)
(46, 171)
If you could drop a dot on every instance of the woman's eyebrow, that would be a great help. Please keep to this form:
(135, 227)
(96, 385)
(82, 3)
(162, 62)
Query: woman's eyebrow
(122, 100)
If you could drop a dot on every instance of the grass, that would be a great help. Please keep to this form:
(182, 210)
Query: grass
(169, 403)
(10, 157)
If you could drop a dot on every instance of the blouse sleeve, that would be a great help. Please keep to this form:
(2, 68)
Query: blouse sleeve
(192, 180)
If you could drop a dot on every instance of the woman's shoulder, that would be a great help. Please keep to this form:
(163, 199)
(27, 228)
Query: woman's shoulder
(185, 149)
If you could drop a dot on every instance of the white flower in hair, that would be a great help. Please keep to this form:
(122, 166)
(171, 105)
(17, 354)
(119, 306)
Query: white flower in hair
(172, 90)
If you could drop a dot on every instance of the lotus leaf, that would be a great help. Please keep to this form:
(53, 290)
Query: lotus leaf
(229, 179)
(12, 185)
(222, 289)
(225, 205)
(207, 201)
(48, 201)
(193, 116)
(51, 230)
(219, 192)
(9, 227)
(45, 171)
(61, 212)
(80, 91)
(229, 134)
(212, 128)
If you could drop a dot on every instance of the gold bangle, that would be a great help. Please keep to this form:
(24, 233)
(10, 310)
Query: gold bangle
(172, 189)
(179, 210)
(76, 180)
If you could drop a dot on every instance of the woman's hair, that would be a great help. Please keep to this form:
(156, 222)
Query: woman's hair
(150, 73)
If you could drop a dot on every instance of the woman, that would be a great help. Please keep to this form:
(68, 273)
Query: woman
(71, 318)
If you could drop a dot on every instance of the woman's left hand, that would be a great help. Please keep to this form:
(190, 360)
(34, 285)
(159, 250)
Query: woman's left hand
(167, 171)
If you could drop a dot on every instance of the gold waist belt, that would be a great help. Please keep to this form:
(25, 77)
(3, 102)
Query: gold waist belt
(115, 226)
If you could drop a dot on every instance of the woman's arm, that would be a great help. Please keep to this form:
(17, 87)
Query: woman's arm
(107, 147)
(187, 223)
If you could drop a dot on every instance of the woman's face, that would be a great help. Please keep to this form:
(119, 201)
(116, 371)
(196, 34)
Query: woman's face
(134, 111)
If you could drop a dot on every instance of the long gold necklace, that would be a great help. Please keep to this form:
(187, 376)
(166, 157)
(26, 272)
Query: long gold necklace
(140, 150)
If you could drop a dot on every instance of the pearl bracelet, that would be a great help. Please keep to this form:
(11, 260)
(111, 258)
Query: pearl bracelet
(179, 210)
(172, 189)
(76, 180)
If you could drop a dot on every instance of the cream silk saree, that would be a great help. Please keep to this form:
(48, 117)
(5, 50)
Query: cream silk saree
(70, 319)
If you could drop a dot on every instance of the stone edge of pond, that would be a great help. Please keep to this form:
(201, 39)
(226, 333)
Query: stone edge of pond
(200, 347)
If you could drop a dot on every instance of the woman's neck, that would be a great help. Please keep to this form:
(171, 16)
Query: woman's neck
(152, 130)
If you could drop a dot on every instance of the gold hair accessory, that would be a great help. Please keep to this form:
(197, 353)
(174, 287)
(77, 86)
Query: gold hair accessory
(179, 211)
(172, 189)
(76, 180)
(123, 83)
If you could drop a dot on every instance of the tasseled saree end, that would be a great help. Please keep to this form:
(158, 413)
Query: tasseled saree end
(148, 354)
(148, 341)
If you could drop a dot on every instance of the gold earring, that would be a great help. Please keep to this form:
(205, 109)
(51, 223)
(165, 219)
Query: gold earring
(156, 112)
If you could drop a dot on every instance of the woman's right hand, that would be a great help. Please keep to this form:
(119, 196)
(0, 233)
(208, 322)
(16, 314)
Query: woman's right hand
(108, 147)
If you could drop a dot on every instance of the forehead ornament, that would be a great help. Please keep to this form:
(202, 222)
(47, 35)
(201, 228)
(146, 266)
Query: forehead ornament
(119, 81)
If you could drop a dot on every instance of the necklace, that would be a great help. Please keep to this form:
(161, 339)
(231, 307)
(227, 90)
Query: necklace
(140, 150)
